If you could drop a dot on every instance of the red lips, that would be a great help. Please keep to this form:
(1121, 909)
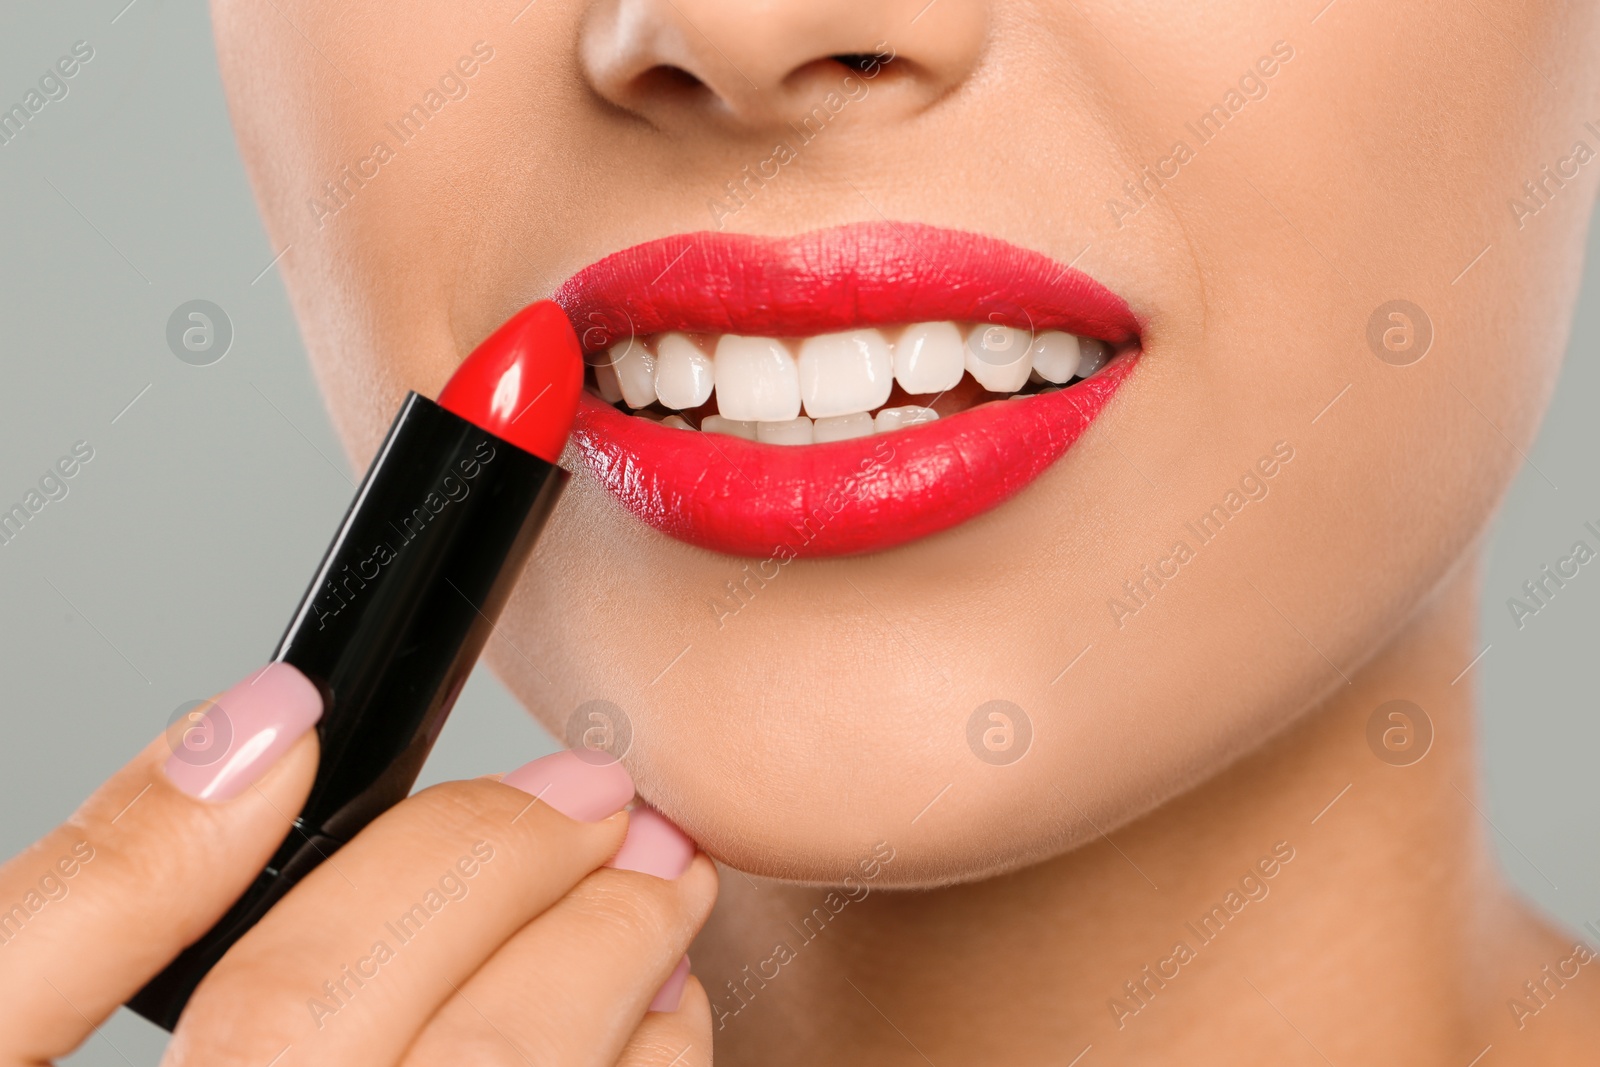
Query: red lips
(861, 495)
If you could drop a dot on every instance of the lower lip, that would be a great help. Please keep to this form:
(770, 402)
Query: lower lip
(863, 495)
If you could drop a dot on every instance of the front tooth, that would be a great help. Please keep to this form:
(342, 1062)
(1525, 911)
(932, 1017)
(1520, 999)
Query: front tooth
(731, 427)
(842, 427)
(605, 377)
(842, 373)
(997, 356)
(897, 418)
(677, 422)
(1055, 356)
(683, 372)
(636, 373)
(756, 380)
(788, 432)
(1094, 353)
(928, 357)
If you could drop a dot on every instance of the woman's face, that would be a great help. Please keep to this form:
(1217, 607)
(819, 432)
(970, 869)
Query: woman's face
(1260, 185)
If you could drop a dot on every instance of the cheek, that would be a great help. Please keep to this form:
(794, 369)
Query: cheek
(389, 258)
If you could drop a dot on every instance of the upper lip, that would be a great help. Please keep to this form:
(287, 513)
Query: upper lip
(865, 274)
(759, 500)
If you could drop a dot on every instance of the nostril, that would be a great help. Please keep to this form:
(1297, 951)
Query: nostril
(669, 83)
(863, 62)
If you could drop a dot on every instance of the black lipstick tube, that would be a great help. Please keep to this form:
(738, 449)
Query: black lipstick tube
(391, 626)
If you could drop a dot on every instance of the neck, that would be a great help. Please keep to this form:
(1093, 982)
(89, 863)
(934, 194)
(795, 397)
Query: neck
(1314, 900)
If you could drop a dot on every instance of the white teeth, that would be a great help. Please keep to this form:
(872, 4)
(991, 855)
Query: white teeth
(842, 373)
(928, 358)
(897, 418)
(1093, 355)
(756, 380)
(997, 356)
(762, 384)
(789, 432)
(683, 372)
(636, 373)
(731, 427)
(1055, 356)
(605, 377)
(842, 427)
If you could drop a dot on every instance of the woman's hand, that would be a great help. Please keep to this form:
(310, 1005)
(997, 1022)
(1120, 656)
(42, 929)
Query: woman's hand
(473, 924)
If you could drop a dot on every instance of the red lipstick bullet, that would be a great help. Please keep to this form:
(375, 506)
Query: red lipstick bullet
(522, 384)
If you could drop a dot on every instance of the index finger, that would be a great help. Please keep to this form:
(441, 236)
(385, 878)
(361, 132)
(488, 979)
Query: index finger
(152, 859)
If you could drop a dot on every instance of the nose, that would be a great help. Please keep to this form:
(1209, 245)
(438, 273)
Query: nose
(761, 63)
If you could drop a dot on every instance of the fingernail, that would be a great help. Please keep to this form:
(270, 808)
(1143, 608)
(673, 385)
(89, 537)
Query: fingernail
(670, 995)
(653, 845)
(243, 732)
(575, 787)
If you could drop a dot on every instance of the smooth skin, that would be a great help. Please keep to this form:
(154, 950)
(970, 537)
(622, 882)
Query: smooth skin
(548, 958)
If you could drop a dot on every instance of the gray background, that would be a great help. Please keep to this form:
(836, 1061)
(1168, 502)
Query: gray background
(171, 567)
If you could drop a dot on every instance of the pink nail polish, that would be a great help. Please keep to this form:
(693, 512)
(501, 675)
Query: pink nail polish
(243, 732)
(653, 845)
(670, 995)
(575, 787)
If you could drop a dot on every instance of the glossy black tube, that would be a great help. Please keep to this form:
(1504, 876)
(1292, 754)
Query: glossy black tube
(391, 626)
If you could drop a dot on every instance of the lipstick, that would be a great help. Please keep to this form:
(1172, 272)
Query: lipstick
(406, 596)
